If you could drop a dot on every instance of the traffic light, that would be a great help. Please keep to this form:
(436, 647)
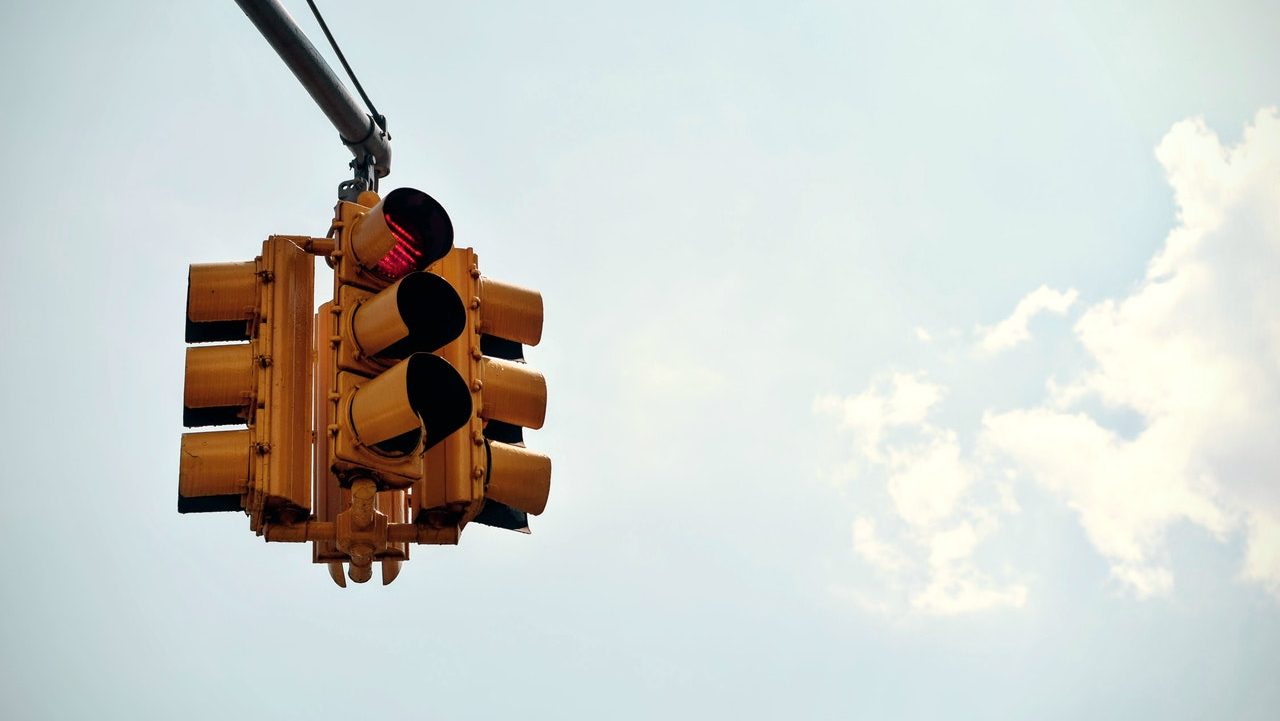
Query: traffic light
(388, 397)
(404, 396)
(252, 368)
(495, 513)
(330, 499)
(484, 473)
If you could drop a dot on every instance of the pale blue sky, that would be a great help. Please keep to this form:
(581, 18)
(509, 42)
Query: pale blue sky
(765, 233)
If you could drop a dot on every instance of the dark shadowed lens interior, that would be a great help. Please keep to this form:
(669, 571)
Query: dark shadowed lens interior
(438, 395)
(500, 515)
(431, 310)
(495, 347)
(504, 432)
(400, 445)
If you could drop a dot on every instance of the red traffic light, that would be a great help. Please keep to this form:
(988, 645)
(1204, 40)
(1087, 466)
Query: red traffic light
(407, 231)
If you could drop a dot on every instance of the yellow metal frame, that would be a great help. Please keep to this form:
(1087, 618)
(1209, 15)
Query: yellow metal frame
(352, 458)
(348, 457)
(351, 357)
(270, 374)
(456, 470)
(347, 268)
(305, 379)
(281, 487)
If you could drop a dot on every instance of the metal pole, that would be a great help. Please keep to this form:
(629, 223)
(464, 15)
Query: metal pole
(369, 144)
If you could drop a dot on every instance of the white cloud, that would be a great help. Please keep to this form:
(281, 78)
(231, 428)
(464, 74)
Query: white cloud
(900, 399)
(936, 525)
(927, 481)
(1143, 580)
(1196, 351)
(1262, 554)
(1193, 351)
(1126, 493)
(950, 594)
(867, 543)
(1013, 330)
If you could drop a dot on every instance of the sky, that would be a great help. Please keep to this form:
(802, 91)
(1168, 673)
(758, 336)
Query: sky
(905, 360)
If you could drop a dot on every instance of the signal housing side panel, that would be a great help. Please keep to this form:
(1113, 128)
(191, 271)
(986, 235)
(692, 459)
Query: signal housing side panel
(330, 499)
(454, 470)
(286, 374)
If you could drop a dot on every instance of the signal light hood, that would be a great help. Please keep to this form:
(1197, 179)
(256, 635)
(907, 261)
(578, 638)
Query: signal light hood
(407, 231)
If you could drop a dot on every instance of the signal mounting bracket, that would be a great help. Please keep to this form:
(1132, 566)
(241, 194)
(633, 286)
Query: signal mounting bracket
(372, 145)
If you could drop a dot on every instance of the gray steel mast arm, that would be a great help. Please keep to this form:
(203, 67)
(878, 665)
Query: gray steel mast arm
(356, 128)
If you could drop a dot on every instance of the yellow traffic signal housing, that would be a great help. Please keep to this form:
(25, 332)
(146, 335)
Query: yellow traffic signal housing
(330, 499)
(388, 397)
(390, 238)
(412, 427)
(260, 379)
(485, 464)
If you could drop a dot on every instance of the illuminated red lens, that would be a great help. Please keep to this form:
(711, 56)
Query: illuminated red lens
(406, 256)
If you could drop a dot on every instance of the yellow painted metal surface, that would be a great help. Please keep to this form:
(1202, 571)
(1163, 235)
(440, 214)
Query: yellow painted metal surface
(379, 408)
(510, 311)
(460, 472)
(222, 291)
(378, 404)
(383, 408)
(453, 477)
(335, 428)
(395, 506)
(221, 376)
(374, 321)
(264, 383)
(346, 369)
(288, 273)
(519, 477)
(512, 392)
(212, 465)
(329, 498)
(363, 238)
(362, 530)
(370, 238)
